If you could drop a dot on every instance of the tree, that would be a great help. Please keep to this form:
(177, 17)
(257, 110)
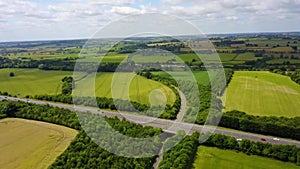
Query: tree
(11, 74)
(298, 158)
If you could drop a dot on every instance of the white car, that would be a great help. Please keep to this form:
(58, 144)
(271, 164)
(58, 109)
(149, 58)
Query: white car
(276, 139)
(239, 139)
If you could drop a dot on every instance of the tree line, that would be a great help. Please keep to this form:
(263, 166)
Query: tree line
(65, 64)
(267, 125)
(295, 76)
(286, 153)
(183, 154)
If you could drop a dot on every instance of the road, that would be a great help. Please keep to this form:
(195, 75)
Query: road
(167, 125)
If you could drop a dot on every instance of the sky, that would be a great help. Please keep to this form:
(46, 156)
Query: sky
(74, 19)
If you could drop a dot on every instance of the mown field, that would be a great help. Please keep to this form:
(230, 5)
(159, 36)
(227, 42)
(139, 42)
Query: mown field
(30, 144)
(214, 158)
(263, 93)
(34, 82)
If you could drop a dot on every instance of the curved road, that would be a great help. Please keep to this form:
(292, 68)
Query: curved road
(167, 125)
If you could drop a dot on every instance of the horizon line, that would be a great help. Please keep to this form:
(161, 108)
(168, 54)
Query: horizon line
(85, 38)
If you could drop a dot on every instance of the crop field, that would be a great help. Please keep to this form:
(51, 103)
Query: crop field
(155, 59)
(214, 158)
(107, 58)
(273, 42)
(114, 58)
(31, 144)
(246, 56)
(280, 61)
(139, 89)
(263, 93)
(223, 57)
(31, 81)
(34, 82)
(282, 49)
(43, 56)
(201, 77)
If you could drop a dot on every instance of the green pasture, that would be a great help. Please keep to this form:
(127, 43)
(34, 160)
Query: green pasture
(214, 158)
(263, 94)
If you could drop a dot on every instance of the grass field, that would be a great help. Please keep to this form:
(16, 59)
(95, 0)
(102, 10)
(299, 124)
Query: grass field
(213, 158)
(30, 144)
(263, 93)
(200, 76)
(140, 88)
(31, 81)
(34, 81)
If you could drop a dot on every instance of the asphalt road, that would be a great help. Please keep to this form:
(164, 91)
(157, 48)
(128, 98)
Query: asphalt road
(167, 125)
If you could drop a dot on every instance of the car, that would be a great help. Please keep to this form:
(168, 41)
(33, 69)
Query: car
(262, 139)
(276, 139)
(239, 139)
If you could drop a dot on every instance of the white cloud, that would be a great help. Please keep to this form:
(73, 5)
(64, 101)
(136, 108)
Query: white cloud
(69, 18)
(125, 10)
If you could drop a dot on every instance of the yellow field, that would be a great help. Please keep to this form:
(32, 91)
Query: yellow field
(31, 144)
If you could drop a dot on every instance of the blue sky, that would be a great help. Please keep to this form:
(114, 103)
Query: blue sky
(71, 19)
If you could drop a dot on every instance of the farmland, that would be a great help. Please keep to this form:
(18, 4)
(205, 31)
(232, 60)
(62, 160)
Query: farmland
(139, 90)
(263, 93)
(34, 82)
(31, 81)
(214, 158)
(201, 77)
(31, 144)
(261, 98)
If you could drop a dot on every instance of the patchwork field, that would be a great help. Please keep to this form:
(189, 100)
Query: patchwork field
(34, 81)
(31, 144)
(214, 158)
(263, 93)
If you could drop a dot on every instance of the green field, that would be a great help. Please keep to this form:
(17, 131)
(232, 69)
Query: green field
(214, 158)
(263, 93)
(272, 42)
(281, 61)
(246, 56)
(224, 57)
(200, 76)
(34, 81)
(31, 144)
(155, 59)
(140, 88)
(43, 56)
(31, 81)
